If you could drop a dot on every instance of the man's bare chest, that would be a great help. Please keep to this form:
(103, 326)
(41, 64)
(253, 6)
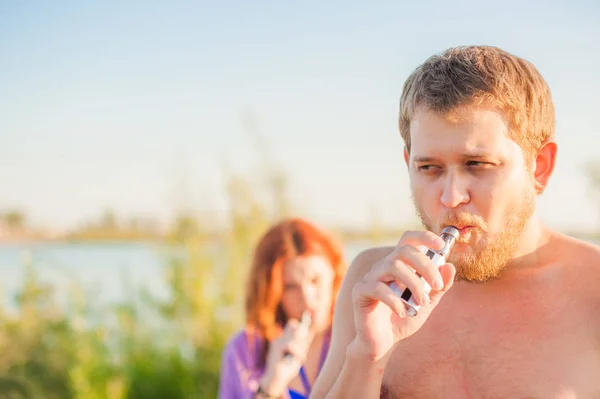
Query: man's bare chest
(514, 355)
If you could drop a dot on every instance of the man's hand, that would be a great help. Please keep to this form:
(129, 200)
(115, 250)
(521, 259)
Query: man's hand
(380, 315)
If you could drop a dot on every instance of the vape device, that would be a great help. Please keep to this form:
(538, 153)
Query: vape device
(449, 235)
(305, 322)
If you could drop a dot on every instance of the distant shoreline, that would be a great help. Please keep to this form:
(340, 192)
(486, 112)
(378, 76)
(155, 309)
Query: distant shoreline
(350, 236)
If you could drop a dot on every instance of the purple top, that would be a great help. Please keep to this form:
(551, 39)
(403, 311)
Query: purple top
(240, 375)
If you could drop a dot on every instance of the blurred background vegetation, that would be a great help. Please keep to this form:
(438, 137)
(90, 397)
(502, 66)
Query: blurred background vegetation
(144, 347)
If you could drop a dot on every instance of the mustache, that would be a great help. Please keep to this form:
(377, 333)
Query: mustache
(463, 219)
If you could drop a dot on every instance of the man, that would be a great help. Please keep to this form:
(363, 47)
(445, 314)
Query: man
(516, 311)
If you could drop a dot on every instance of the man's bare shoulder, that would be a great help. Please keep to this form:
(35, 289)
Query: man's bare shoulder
(364, 261)
(578, 263)
(581, 262)
(575, 252)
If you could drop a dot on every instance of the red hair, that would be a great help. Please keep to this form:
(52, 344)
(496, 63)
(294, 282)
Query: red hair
(284, 241)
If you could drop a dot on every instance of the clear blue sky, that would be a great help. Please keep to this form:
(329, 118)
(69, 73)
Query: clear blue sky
(135, 105)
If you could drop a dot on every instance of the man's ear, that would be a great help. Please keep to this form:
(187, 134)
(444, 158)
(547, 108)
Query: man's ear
(406, 155)
(544, 165)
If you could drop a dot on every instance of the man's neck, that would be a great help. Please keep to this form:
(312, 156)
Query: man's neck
(533, 237)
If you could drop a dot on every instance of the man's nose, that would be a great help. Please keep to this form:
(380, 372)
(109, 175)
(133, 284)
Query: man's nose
(454, 192)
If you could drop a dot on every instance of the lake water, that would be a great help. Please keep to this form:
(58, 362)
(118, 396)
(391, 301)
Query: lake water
(107, 271)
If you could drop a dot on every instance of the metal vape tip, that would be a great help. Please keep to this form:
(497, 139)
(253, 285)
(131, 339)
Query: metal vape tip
(453, 231)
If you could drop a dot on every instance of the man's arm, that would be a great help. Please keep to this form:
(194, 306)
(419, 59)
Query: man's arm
(346, 372)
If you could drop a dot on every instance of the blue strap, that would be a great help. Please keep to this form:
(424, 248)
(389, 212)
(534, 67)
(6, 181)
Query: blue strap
(305, 380)
(296, 395)
(324, 349)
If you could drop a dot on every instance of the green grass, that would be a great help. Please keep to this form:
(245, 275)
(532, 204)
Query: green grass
(48, 352)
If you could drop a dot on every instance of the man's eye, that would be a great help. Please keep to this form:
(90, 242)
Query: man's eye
(477, 163)
(426, 168)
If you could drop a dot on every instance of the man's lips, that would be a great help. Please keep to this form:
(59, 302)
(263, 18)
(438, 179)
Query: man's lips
(463, 230)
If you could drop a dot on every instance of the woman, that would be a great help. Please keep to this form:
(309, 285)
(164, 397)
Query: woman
(297, 270)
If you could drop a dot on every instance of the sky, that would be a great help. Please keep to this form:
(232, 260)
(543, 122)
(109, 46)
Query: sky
(137, 106)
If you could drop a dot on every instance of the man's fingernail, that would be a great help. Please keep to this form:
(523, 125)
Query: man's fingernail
(438, 284)
(425, 299)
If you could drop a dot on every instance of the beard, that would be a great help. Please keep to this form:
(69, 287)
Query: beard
(484, 259)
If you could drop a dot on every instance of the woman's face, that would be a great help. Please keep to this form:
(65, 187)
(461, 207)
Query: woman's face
(308, 285)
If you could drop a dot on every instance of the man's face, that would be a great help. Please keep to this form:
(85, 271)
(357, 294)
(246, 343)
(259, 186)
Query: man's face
(466, 171)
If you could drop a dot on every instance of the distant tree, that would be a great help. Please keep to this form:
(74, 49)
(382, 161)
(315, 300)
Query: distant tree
(108, 219)
(184, 227)
(375, 227)
(14, 219)
(593, 174)
(134, 224)
(592, 170)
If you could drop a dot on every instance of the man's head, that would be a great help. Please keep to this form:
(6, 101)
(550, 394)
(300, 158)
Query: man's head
(478, 126)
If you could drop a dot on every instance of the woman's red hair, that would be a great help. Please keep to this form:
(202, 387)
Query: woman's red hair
(286, 240)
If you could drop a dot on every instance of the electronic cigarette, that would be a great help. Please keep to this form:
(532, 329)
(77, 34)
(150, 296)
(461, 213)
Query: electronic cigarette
(305, 322)
(449, 235)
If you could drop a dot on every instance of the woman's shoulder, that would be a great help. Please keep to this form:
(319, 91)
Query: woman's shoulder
(239, 372)
(243, 344)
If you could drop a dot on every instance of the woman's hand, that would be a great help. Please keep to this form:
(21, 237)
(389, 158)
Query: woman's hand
(285, 357)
